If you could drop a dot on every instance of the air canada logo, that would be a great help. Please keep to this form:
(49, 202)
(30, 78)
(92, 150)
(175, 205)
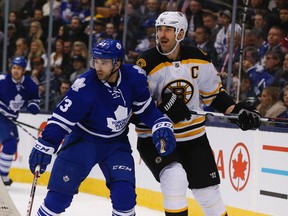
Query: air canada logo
(239, 167)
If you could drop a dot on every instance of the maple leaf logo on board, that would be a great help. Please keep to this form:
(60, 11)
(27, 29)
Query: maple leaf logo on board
(239, 167)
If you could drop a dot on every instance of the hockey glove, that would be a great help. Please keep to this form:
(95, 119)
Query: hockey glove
(249, 117)
(41, 154)
(33, 108)
(163, 137)
(174, 108)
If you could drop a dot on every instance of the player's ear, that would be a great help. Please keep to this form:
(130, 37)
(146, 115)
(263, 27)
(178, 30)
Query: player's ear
(181, 35)
(118, 64)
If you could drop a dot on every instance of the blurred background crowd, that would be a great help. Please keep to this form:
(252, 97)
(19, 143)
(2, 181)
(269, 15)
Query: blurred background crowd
(259, 54)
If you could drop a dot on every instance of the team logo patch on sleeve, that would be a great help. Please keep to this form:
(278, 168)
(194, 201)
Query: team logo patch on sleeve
(141, 62)
(79, 83)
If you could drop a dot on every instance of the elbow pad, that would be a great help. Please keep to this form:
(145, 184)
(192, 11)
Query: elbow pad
(222, 102)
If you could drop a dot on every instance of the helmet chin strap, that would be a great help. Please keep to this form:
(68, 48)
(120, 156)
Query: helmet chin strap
(114, 61)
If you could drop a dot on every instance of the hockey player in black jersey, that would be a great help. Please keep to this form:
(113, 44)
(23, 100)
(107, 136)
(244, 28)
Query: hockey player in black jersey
(95, 115)
(180, 79)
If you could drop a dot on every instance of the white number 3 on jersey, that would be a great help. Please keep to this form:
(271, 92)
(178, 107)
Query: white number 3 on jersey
(65, 105)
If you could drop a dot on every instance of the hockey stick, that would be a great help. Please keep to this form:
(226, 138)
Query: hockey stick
(19, 125)
(162, 147)
(33, 189)
(235, 116)
(26, 131)
(27, 125)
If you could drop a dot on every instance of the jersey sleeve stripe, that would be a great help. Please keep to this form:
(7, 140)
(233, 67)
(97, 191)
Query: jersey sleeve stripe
(144, 107)
(160, 66)
(101, 135)
(216, 91)
(63, 119)
(34, 103)
(195, 61)
(192, 133)
(63, 126)
(196, 120)
(3, 110)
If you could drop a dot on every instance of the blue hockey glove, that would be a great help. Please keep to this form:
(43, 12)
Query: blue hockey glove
(41, 154)
(249, 117)
(163, 136)
(33, 108)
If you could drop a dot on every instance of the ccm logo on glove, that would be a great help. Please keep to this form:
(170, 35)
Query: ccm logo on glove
(42, 148)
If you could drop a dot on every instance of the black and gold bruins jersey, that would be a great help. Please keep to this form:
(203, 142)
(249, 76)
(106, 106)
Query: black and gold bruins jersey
(193, 78)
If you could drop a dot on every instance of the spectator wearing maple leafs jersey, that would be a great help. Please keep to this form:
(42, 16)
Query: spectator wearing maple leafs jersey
(16, 92)
(95, 113)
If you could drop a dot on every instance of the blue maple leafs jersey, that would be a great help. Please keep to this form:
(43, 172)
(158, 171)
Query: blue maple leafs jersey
(14, 96)
(99, 112)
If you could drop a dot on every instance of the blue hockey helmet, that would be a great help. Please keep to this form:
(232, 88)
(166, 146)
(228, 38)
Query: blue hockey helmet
(19, 61)
(109, 49)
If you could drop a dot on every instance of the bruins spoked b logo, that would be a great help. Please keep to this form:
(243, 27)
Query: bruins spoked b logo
(182, 88)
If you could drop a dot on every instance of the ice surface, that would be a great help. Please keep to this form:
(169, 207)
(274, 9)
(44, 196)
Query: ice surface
(82, 204)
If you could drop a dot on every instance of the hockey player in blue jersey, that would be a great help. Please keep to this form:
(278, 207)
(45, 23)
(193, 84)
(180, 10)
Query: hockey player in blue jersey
(93, 117)
(17, 91)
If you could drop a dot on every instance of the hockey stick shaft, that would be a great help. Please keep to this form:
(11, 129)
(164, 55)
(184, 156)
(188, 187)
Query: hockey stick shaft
(19, 125)
(162, 147)
(236, 116)
(27, 125)
(33, 189)
(26, 131)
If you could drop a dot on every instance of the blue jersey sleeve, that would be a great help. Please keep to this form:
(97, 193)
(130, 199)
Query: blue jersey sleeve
(33, 100)
(70, 110)
(144, 106)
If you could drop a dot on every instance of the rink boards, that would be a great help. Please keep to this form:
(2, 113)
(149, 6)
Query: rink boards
(253, 166)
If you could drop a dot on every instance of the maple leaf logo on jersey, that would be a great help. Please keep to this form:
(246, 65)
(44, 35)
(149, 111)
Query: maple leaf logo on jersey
(79, 83)
(17, 103)
(140, 70)
(121, 120)
(2, 77)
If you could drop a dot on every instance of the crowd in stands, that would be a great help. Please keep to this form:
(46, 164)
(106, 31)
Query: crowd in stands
(264, 75)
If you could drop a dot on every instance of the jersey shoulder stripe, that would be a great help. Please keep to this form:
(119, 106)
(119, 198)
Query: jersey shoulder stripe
(194, 53)
(151, 60)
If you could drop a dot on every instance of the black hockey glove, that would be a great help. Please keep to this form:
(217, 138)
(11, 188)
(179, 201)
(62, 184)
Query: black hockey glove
(175, 108)
(249, 117)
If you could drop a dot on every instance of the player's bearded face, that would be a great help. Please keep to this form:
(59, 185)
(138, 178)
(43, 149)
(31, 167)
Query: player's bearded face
(166, 38)
(103, 68)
